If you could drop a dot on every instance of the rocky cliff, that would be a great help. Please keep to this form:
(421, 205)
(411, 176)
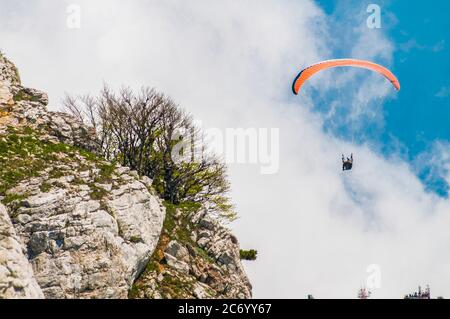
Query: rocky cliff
(75, 226)
(196, 257)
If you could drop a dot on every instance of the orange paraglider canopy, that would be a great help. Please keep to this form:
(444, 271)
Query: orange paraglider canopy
(305, 74)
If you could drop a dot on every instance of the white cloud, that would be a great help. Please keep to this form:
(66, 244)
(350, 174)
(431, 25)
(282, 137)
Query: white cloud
(443, 92)
(435, 163)
(412, 44)
(231, 64)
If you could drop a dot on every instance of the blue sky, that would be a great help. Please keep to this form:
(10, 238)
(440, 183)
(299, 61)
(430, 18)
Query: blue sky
(419, 115)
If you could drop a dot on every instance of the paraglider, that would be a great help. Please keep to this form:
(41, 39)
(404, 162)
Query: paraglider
(305, 74)
(347, 164)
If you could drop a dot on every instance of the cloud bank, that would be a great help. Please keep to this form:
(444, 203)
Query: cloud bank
(231, 64)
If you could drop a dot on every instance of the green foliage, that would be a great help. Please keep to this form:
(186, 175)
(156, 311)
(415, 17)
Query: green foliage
(23, 155)
(16, 160)
(177, 226)
(97, 193)
(204, 255)
(11, 198)
(105, 174)
(77, 181)
(134, 291)
(23, 96)
(88, 155)
(188, 207)
(45, 187)
(248, 254)
(56, 173)
(176, 287)
(135, 239)
(169, 221)
(143, 131)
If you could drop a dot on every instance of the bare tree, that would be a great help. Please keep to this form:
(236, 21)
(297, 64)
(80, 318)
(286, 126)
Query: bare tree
(144, 131)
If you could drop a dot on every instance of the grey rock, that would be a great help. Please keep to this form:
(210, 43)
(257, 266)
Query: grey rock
(179, 265)
(16, 274)
(38, 243)
(207, 223)
(200, 291)
(178, 251)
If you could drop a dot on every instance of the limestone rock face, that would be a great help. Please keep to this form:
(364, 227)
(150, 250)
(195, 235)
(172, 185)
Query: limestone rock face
(206, 265)
(9, 84)
(223, 247)
(81, 236)
(21, 106)
(6, 97)
(75, 226)
(16, 274)
(80, 247)
(72, 225)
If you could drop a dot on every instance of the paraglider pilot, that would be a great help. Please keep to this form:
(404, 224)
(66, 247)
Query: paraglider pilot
(347, 164)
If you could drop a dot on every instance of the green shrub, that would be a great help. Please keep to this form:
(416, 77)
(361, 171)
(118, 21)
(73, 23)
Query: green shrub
(135, 239)
(248, 254)
(45, 187)
(97, 193)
